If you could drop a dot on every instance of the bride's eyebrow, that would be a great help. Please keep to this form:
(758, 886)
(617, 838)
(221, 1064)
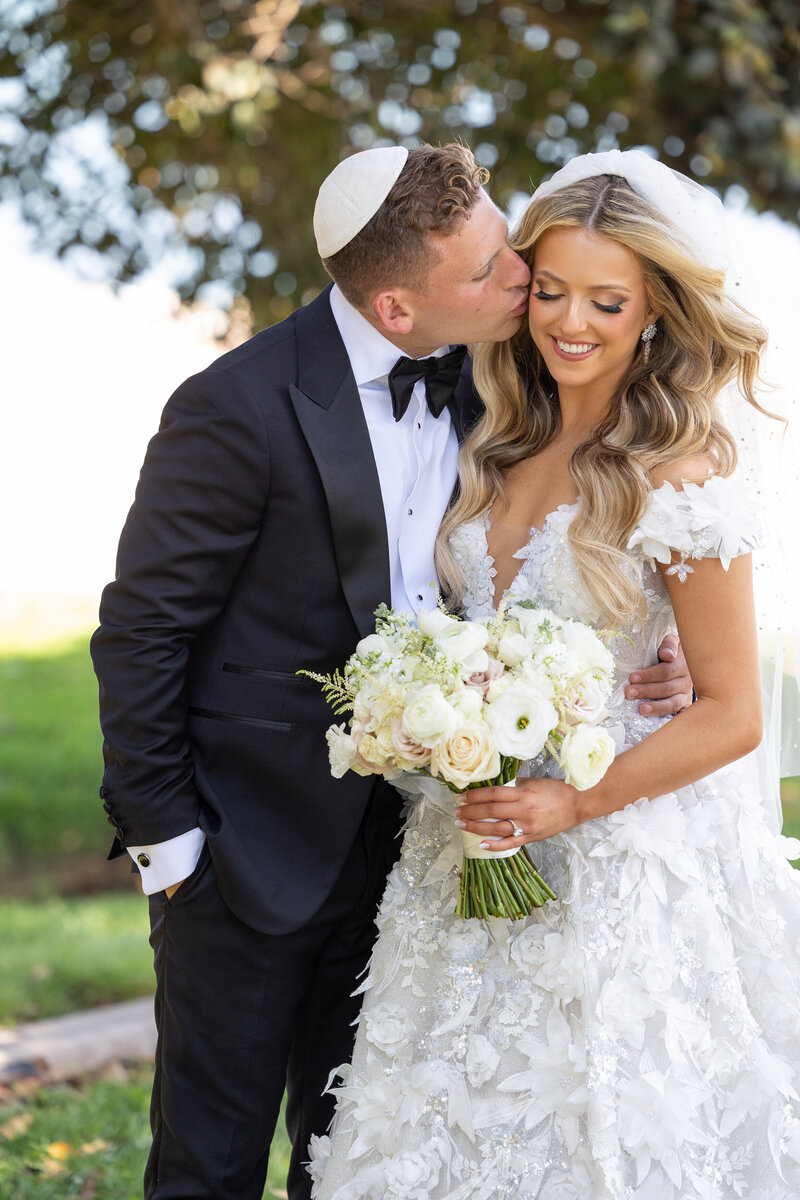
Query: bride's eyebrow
(597, 287)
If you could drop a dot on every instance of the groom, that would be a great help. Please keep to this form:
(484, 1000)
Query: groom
(292, 486)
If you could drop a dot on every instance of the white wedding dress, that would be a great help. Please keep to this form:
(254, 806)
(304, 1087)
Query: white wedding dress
(638, 1038)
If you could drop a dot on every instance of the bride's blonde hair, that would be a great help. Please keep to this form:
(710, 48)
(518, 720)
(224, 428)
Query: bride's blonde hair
(664, 409)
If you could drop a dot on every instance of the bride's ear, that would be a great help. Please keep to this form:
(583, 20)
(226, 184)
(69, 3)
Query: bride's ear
(392, 311)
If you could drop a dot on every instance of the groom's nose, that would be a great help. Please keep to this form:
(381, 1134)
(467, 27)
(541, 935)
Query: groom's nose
(517, 271)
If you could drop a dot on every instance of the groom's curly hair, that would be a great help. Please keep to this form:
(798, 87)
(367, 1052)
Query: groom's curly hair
(434, 193)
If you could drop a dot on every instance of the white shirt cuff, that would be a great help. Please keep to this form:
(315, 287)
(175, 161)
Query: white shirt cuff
(168, 862)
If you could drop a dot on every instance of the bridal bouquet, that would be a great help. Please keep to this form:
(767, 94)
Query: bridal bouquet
(466, 702)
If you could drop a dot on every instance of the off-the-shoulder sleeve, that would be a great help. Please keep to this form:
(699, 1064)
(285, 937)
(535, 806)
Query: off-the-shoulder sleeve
(715, 519)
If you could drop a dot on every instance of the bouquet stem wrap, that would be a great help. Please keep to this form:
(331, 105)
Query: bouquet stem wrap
(499, 883)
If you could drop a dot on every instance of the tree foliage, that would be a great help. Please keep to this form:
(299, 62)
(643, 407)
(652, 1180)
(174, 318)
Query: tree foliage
(225, 115)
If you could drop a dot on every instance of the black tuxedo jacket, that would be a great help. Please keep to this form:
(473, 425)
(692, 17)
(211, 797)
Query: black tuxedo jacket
(256, 545)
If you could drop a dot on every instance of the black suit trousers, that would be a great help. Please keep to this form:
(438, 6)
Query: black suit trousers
(242, 1014)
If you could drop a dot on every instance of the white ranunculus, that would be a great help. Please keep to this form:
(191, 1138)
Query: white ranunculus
(585, 756)
(513, 648)
(341, 750)
(585, 701)
(467, 703)
(463, 642)
(521, 720)
(481, 1059)
(429, 718)
(414, 1174)
(535, 622)
(433, 621)
(468, 756)
(388, 1027)
(585, 651)
(497, 686)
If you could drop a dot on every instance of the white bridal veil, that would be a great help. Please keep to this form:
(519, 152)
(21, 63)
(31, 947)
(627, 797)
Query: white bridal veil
(769, 451)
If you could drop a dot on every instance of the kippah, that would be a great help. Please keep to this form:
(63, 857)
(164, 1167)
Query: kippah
(353, 193)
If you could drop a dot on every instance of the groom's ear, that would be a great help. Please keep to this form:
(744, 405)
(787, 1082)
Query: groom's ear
(393, 311)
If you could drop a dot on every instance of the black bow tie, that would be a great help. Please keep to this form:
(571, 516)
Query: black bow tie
(440, 375)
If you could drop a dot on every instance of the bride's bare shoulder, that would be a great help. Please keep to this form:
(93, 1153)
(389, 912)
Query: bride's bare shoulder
(695, 468)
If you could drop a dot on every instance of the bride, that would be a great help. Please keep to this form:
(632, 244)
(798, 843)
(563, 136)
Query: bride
(639, 1037)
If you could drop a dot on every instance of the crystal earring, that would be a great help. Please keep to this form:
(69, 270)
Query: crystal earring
(648, 333)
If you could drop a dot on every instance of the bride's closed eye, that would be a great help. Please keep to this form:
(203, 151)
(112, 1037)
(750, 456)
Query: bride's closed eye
(607, 308)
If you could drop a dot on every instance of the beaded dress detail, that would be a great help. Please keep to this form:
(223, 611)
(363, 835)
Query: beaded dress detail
(639, 1038)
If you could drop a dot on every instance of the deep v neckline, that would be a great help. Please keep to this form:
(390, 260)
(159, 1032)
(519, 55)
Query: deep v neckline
(522, 553)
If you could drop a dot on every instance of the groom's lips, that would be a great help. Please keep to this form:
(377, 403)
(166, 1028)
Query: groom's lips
(521, 308)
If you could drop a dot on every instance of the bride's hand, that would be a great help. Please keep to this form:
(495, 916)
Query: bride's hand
(540, 808)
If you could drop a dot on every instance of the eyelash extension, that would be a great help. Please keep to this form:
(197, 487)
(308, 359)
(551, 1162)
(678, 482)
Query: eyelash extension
(607, 308)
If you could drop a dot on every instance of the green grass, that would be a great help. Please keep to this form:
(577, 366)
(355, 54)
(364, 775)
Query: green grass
(62, 955)
(88, 1142)
(50, 761)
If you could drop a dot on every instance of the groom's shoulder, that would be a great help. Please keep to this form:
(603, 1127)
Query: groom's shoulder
(266, 349)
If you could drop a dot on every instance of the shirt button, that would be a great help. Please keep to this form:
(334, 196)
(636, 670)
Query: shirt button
(143, 860)
(418, 596)
(411, 512)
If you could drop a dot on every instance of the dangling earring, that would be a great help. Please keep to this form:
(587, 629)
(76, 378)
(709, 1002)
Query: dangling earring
(648, 333)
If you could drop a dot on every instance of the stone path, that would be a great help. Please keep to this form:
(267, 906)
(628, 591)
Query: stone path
(79, 1044)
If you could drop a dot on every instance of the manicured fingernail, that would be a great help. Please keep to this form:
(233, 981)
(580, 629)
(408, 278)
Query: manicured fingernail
(633, 693)
(636, 678)
(485, 845)
(461, 824)
(646, 708)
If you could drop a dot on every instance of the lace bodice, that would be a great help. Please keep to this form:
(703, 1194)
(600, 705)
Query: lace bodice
(714, 520)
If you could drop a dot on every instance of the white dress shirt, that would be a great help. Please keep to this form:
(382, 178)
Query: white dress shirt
(417, 461)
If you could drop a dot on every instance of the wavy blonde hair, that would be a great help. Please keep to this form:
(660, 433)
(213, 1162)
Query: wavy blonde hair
(663, 410)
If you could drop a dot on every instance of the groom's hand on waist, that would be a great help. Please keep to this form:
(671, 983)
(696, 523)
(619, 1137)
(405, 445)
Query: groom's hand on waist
(665, 688)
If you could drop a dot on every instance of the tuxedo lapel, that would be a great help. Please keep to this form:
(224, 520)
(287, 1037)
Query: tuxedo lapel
(328, 407)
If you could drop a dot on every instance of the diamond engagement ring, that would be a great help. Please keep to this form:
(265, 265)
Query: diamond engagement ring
(517, 832)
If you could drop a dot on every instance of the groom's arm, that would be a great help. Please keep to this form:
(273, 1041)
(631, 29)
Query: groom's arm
(198, 509)
(665, 688)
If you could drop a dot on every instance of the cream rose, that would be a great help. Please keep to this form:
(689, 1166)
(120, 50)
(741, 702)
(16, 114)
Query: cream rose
(467, 756)
(410, 755)
(586, 754)
(429, 719)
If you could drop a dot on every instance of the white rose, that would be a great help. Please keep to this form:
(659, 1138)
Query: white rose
(586, 754)
(415, 1174)
(374, 647)
(585, 700)
(537, 624)
(521, 720)
(513, 648)
(429, 718)
(410, 755)
(468, 756)
(481, 1059)
(387, 1026)
(341, 750)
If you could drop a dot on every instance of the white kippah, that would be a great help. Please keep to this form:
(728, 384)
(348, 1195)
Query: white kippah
(353, 193)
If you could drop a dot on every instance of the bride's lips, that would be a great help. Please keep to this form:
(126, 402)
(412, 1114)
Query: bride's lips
(586, 348)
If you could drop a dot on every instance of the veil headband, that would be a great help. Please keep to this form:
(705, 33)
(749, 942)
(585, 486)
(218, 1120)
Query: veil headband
(696, 211)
